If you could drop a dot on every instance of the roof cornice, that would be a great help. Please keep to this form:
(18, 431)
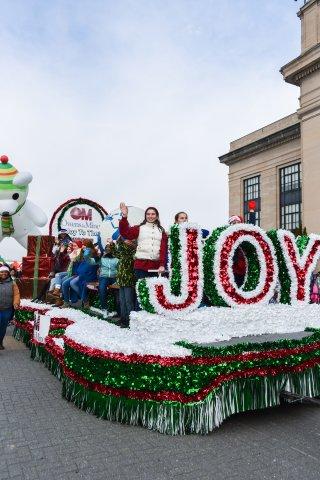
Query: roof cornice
(302, 66)
(275, 139)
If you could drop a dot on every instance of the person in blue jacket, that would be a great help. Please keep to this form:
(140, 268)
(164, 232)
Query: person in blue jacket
(84, 270)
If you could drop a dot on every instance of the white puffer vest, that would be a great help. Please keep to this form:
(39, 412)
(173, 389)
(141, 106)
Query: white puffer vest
(149, 242)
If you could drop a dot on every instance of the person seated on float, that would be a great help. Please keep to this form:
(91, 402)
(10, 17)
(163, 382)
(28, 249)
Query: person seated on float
(182, 217)
(88, 243)
(61, 261)
(9, 300)
(84, 270)
(152, 240)
(107, 274)
(73, 251)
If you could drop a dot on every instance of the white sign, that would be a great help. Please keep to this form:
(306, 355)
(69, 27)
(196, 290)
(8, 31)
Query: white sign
(41, 327)
(109, 228)
(81, 221)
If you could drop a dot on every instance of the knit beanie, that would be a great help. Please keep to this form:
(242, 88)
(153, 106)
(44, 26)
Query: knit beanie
(7, 174)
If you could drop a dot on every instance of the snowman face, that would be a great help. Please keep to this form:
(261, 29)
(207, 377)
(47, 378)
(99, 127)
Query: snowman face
(11, 200)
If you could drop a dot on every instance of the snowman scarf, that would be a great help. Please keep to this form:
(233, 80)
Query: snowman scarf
(7, 223)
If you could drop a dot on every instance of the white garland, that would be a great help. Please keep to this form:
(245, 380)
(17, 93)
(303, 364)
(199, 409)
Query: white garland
(156, 335)
(261, 258)
(173, 299)
(39, 306)
(301, 261)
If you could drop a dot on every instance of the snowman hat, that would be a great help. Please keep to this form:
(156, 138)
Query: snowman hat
(7, 175)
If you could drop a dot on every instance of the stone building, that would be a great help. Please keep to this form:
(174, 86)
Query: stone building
(279, 164)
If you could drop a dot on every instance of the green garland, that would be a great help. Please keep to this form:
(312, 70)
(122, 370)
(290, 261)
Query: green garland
(21, 335)
(175, 250)
(209, 251)
(175, 277)
(40, 354)
(143, 296)
(283, 275)
(23, 316)
(187, 378)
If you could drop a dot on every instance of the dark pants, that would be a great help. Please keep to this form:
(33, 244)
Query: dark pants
(5, 317)
(104, 283)
(139, 274)
(127, 303)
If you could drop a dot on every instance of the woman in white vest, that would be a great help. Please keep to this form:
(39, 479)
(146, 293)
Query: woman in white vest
(151, 253)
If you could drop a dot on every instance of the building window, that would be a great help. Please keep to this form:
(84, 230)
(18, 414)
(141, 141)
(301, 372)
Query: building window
(290, 198)
(251, 191)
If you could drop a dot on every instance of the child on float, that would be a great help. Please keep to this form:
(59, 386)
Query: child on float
(107, 275)
(84, 270)
(9, 300)
(63, 266)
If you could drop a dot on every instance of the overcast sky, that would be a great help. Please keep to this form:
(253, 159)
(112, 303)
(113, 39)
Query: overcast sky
(134, 100)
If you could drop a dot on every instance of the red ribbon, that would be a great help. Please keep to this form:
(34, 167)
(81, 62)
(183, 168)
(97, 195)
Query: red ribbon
(189, 360)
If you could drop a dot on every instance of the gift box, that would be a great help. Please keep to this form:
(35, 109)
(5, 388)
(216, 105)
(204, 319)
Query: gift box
(32, 288)
(41, 245)
(30, 269)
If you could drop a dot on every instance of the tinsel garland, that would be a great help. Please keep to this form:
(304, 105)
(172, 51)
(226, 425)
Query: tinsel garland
(226, 247)
(70, 203)
(41, 354)
(175, 271)
(300, 266)
(283, 273)
(21, 334)
(23, 315)
(209, 252)
(57, 332)
(174, 418)
(192, 378)
(143, 296)
(26, 326)
(187, 278)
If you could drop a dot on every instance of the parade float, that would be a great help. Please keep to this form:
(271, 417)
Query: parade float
(183, 367)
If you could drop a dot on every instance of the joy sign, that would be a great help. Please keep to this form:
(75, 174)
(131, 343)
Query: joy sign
(269, 257)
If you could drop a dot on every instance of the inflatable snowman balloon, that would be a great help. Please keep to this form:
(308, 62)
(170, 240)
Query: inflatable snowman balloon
(19, 217)
(109, 229)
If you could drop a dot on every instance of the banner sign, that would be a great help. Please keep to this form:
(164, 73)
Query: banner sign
(81, 218)
(41, 327)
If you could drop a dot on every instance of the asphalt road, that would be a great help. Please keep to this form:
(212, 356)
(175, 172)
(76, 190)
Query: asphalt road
(42, 436)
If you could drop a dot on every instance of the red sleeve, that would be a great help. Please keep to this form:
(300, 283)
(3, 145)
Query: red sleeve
(130, 233)
(163, 250)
